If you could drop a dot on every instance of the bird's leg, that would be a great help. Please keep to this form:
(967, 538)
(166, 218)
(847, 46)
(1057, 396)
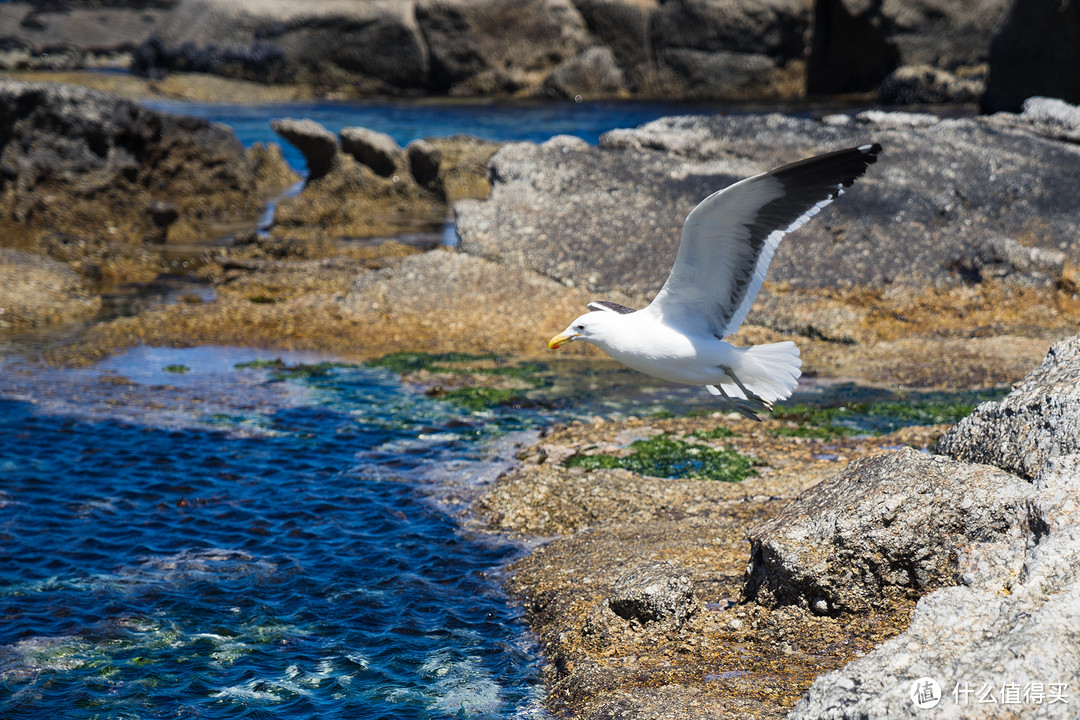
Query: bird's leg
(740, 406)
(750, 394)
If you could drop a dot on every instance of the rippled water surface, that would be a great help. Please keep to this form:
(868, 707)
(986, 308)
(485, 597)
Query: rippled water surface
(218, 543)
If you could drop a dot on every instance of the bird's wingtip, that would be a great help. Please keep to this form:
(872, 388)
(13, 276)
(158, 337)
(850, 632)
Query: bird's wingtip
(871, 149)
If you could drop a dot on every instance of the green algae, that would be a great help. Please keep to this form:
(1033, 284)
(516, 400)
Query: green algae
(716, 433)
(280, 370)
(872, 418)
(178, 369)
(476, 399)
(667, 456)
(410, 362)
(404, 363)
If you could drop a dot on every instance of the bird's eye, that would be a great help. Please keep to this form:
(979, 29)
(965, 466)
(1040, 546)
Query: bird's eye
(579, 327)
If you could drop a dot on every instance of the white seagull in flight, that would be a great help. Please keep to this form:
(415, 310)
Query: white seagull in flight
(727, 244)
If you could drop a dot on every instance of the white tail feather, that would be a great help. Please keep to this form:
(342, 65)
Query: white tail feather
(769, 371)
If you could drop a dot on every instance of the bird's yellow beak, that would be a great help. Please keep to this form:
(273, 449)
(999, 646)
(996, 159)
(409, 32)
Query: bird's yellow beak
(561, 339)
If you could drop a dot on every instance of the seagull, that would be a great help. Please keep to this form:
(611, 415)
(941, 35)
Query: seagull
(727, 243)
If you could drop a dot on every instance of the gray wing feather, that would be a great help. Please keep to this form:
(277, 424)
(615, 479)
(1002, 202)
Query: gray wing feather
(729, 239)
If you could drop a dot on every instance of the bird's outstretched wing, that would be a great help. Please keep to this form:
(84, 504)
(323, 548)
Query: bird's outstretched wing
(729, 239)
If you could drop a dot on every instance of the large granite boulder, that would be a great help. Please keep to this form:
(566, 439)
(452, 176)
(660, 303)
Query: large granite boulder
(997, 637)
(375, 45)
(88, 164)
(1036, 422)
(1033, 52)
(933, 210)
(889, 527)
(1013, 644)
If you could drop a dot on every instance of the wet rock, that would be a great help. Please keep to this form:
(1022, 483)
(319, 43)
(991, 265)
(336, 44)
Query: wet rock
(888, 527)
(352, 200)
(1036, 422)
(654, 593)
(348, 196)
(424, 161)
(88, 164)
(162, 215)
(377, 150)
(1029, 48)
(370, 46)
(38, 291)
(856, 45)
(463, 166)
(609, 217)
(319, 146)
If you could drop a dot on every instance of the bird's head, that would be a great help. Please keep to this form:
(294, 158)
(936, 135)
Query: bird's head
(591, 327)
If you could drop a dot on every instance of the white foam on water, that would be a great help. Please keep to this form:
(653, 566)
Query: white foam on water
(460, 685)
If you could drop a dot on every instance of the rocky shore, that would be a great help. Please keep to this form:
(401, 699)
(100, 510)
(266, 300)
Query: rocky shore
(997, 52)
(882, 561)
(872, 562)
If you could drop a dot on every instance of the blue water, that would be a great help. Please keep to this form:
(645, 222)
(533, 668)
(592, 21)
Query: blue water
(408, 120)
(220, 544)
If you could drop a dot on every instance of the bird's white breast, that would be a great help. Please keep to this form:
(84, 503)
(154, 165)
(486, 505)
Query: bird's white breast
(643, 343)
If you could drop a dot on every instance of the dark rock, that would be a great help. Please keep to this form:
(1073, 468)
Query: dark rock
(654, 593)
(377, 150)
(1036, 422)
(63, 36)
(319, 146)
(162, 215)
(887, 528)
(1032, 52)
(1002, 257)
(773, 27)
(375, 46)
(484, 46)
(730, 49)
(624, 26)
(424, 161)
(88, 163)
(856, 44)
(720, 74)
